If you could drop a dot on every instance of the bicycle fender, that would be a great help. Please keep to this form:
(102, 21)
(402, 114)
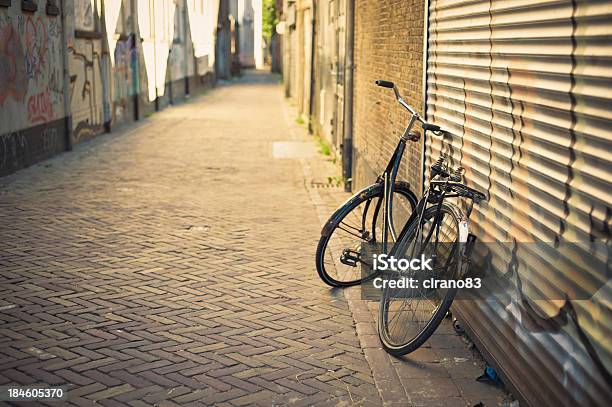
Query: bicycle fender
(340, 212)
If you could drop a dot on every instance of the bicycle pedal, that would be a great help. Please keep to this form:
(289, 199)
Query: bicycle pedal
(350, 257)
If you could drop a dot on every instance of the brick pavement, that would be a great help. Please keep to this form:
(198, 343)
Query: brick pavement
(171, 263)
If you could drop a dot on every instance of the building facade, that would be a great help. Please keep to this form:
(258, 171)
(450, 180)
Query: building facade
(328, 89)
(298, 53)
(33, 95)
(248, 15)
(388, 44)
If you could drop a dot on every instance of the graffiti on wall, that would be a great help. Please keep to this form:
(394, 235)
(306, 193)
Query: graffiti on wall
(35, 47)
(40, 108)
(30, 145)
(85, 88)
(31, 78)
(84, 15)
(30, 87)
(124, 74)
(13, 80)
(11, 145)
(122, 69)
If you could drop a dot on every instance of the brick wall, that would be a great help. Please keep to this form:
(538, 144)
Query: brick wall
(388, 45)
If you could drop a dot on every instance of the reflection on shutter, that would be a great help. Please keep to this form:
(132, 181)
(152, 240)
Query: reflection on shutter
(525, 88)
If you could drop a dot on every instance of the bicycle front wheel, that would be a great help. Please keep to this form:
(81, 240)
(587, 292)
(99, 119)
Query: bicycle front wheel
(359, 220)
(409, 316)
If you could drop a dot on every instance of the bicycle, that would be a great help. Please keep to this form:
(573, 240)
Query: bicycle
(361, 218)
(440, 231)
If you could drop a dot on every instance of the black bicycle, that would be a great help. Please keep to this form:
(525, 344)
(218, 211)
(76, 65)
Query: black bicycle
(438, 229)
(368, 216)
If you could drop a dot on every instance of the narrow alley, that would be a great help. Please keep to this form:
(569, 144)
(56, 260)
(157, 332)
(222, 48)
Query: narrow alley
(172, 263)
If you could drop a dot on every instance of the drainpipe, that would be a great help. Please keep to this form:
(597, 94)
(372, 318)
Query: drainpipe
(347, 140)
(134, 60)
(286, 46)
(155, 56)
(185, 16)
(313, 47)
(106, 73)
(66, 90)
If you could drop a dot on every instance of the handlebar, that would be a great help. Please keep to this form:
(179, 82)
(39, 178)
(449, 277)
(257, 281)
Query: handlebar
(385, 84)
(415, 116)
(430, 127)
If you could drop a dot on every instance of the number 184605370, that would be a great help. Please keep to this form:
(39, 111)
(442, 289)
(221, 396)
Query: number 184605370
(29, 393)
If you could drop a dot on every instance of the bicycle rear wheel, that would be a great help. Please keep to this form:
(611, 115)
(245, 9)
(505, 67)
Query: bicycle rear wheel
(358, 221)
(409, 316)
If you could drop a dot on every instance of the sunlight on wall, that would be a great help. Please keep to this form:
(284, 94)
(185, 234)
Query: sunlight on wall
(156, 22)
(202, 22)
(112, 9)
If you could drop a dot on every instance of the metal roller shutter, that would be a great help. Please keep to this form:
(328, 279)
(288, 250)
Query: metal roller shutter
(525, 88)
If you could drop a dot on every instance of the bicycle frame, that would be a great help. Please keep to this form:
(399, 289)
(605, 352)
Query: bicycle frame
(388, 177)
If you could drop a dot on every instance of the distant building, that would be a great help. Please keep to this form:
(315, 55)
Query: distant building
(248, 16)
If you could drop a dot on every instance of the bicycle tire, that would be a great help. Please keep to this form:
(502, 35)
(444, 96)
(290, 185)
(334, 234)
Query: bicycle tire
(374, 191)
(410, 345)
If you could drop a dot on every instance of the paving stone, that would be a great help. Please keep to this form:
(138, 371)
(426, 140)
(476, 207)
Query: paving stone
(111, 392)
(419, 355)
(444, 341)
(138, 394)
(459, 363)
(434, 387)
(370, 341)
(420, 370)
(366, 328)
(263, 397)
(442, 402)
(472, 389)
